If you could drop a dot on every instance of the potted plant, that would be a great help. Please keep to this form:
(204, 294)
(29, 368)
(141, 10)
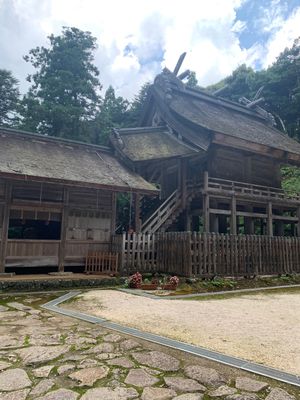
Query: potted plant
(171, 284)
(135, 281)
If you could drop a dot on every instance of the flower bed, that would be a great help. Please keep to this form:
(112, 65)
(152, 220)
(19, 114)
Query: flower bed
(135, 281)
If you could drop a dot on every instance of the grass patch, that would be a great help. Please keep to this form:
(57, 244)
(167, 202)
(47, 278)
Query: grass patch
(218, 284)
(258, 291)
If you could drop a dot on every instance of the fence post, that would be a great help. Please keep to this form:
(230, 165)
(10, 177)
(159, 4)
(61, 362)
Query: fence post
(122, 254)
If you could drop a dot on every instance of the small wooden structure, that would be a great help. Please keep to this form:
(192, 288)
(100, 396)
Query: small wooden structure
(58, 199)
(102, 263)
(217, 163)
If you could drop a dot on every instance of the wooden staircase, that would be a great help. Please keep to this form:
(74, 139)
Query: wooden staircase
(167, 212)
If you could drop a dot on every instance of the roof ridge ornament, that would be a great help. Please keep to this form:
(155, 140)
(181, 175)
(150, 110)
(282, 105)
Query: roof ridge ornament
(118, 138)
(254, 104)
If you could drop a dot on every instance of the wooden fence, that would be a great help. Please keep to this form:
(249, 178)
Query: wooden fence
(208, 255)
(101, 263)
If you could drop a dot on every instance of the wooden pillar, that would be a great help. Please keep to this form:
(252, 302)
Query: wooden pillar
(233, 216)
(5, 225)
(205, 206)
(270, 219)
(113, 212)
(205, 181)
(187, 221)
(298, 223)
(63, 232)
(137, 220)
(183, 181)
(205, 213)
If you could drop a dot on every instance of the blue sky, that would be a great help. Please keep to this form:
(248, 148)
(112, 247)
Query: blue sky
(137, 38)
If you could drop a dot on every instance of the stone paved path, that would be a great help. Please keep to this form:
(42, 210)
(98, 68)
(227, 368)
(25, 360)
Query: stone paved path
(50, 357)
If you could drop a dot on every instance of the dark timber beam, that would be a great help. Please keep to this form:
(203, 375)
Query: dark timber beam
(206, 213)
(270, 219)
(205, 203)
(183, 180)
(63, 232)
(137, 220)
(113, 212)
(179, 63)
(5, 225)
(233, 216)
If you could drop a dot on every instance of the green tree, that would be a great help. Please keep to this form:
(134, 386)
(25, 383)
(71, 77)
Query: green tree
(137, 106)
(64, 95)
(113, 113)
(192, 81)
(239, 84)
(281, 83)
(9, 99)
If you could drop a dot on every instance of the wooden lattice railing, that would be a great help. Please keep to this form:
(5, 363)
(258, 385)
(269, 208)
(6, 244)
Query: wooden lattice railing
(162, 214)
(243, 188)
(101, 263)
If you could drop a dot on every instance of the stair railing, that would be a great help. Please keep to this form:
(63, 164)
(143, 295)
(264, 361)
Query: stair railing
(164, 211)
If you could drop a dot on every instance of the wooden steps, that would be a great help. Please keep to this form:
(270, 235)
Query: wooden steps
(168, 212)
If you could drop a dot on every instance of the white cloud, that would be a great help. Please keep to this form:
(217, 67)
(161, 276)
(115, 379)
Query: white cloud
(137, 38)
(283, 37)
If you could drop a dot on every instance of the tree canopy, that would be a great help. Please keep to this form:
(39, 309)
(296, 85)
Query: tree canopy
(280, 85)
(64, 94)
(9, 99)
(113, 113)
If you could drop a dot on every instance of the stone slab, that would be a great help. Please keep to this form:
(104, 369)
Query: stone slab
(60, 394)
(4, 365)
(184, 384)
(189, 396)
(279, 394)
(42, 372)
(88, 376)
(157, 359)
(17, 395)
(14, 379)
(139, 377)
(121, 362)
(42, 387)
(40, 354)
(105, 393)
(150, 393)
(204, 375)
(129, 344)
(250, 385)
(222, 391)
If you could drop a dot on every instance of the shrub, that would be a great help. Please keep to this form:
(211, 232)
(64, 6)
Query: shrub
(135, 280)
(174, 280)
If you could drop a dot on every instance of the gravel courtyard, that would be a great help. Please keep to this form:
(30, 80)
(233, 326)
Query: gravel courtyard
(45, 356)
(264, 328)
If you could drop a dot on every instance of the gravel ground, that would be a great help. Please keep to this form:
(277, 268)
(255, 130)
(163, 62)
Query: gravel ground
(264, 328)
(45, 356)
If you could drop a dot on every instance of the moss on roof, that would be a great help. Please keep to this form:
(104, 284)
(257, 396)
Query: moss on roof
(36, 156)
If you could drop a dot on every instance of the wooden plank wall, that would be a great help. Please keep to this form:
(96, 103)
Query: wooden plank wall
(208, 255)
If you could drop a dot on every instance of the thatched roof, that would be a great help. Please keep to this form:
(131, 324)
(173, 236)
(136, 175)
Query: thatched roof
(200, 119)
(150, 143)
(38, 157)
(223, 118)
